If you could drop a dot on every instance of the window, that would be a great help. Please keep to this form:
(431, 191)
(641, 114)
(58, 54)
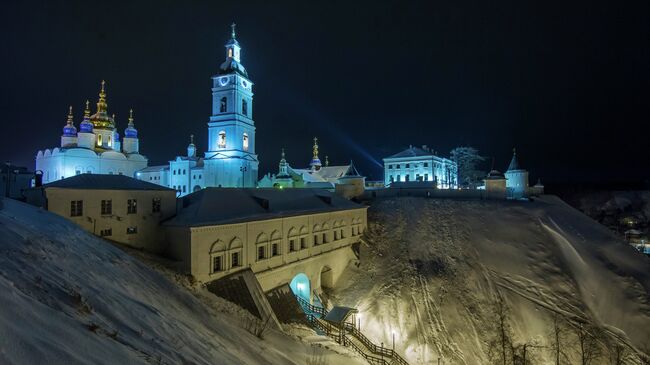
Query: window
(315, 239)
(260, 253)
(407, 177)
(132, 206)
(184, 186)
(77, 172)
(99, 139)
(217, 264)
(76, 208)
(292, 245)
(399, 178)
(275, 249)
(324, 237)
(221, 142)
(342, 233)
(107, 207)
(155, 205)
(244, 107)
(110, 141)
(408, 165)
(245, 141)
(426, 177)
(106, 232)
(336, 235)
(184, 172)
(426, 164)
(303, 242)
(391, 178)
(230, 52)
(398, 166)
(234, 259)
(390, 166)
(224, 105)
(174, 172)
(131, 230)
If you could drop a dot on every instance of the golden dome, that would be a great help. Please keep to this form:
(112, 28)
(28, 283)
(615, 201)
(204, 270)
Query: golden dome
(101, 119)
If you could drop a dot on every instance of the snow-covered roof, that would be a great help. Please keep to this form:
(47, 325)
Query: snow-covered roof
(104, 182)
(339, 314)
(155, 168)
(213, 206)
(411, 152)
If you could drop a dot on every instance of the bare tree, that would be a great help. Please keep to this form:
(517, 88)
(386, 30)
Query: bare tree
(500, 346)
(589, 348)
(558, 336)
(522, 353)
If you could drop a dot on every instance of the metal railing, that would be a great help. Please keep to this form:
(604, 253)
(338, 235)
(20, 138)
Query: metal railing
(386, 356)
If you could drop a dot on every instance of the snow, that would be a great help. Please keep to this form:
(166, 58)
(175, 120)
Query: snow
(431, 270)
(67, 297)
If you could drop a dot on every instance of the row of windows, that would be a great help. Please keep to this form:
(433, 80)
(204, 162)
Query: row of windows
(221, 141)
(109, 231)
(408, 165)
(223, 107)
(407, 177)
(77, 207)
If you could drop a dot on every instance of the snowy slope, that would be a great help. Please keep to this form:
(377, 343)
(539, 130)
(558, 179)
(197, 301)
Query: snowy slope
(67, 297)
(432, 270)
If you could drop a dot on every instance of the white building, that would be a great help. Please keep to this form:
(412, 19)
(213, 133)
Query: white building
(95, 149)
(230, 160)
(421, 165)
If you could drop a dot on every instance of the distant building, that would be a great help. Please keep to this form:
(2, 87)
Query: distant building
(516, 179)
(277, 233)
(95, 148)
(345, 179)
(230, 160)
(119, 208)
(420, 165)
(495, 185)
(13, 180)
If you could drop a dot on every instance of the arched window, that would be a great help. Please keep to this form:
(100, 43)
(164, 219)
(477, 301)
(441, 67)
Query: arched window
(245, 141)
(224, 105)
(222, 139)
(110, 141)
(99, 139)
(244, 107)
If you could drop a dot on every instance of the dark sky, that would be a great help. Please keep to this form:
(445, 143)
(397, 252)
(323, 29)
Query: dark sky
(565, 82)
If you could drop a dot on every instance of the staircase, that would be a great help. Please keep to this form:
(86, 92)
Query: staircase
(349, 335)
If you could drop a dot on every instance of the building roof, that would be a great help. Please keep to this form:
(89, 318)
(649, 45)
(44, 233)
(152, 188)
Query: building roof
(411, 152)
(514, 163)
(213, 206)
(104, 182)
(339, 314)
(154, 168)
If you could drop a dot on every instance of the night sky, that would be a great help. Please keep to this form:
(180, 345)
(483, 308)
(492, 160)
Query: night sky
(566, 82)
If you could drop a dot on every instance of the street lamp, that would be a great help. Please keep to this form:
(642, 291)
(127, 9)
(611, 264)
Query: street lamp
(243, 170)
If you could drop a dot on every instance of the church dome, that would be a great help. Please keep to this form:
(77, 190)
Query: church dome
(69, 130)
(130, 131)
(101, 119)
(230, 66)
(86, 126)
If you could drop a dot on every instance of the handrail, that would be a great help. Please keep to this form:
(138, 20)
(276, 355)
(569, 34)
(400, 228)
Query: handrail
(350, 329)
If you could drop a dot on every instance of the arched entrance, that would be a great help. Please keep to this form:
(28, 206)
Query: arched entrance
(326, 277)
(300, 286)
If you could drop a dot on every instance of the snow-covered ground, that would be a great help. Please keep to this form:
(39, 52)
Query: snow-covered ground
(431, 272)
(67, 297)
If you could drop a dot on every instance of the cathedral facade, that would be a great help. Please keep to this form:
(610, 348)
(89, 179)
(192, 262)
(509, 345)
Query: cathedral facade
(230, 160)
(95, 148)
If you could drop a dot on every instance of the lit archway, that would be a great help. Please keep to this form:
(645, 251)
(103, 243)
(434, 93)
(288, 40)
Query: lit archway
(300, 286)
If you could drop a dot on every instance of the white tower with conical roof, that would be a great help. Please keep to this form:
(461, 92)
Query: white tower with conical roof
(516, 179)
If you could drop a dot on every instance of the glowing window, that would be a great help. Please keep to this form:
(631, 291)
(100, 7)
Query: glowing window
(245, 141)
(110, 142)
(99, 139)
(222, 139)
(229, 52)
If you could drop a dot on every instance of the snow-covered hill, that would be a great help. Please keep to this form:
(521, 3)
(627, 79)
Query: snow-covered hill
(432, 272)
(67, 297)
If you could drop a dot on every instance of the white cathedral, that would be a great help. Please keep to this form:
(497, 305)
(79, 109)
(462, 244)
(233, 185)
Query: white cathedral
(230, 160)
(94, 149)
